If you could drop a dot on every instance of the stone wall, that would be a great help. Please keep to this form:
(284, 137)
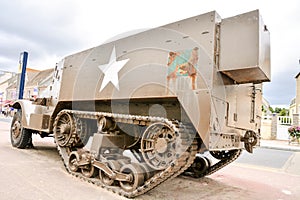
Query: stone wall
(265, 131)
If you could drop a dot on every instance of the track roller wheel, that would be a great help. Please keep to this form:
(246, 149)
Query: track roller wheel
(208, 161)
(148, 171)
(201, 164)
(137, 177)
(114, 165)
(73, 160)
(88, 171)
(198, 168)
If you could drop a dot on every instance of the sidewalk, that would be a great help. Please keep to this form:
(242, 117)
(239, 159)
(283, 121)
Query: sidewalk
(280, 145)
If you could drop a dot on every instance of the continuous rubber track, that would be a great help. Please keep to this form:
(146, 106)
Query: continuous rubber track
(188, 147)
(217, 166)
(222, 163)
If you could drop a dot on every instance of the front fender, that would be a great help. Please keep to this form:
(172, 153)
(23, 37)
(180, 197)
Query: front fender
(27, 109)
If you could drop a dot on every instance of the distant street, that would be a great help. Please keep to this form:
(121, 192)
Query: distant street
(5, 119)
(39, 174)
(266, 158)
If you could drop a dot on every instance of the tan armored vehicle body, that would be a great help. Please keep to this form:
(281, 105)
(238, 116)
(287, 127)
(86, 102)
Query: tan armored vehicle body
(134, 112)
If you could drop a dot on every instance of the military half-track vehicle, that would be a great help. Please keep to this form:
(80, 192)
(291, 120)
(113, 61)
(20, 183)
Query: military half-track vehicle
(184, 98)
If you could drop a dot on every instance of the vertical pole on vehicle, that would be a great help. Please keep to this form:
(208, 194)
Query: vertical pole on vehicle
(23, 64)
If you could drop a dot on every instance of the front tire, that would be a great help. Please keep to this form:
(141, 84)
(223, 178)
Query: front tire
(20, 137)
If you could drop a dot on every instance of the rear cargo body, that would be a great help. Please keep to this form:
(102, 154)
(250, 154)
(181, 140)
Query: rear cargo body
(164, 94)
(147, 76)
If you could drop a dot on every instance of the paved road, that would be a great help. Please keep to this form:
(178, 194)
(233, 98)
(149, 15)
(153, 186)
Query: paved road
(266, 158)
(39, 174)
(5, 119)
(271, 159)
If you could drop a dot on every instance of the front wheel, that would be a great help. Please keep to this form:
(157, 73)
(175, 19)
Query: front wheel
(20, 137)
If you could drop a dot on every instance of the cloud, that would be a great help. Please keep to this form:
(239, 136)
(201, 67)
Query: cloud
(50, 30)
(42, 30)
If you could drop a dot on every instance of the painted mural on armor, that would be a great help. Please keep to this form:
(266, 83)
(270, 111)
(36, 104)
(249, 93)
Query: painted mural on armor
(183, 64)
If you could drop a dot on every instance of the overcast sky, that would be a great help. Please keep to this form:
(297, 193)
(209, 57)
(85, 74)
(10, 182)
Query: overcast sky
(51, 29)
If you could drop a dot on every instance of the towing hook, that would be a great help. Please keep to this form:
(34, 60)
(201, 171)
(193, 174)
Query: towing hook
(250, 140)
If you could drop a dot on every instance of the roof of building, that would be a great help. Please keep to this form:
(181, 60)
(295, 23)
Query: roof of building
(33, 78)
(31, 73)
(12, 83)
(5, 76)
(293, 101)
(40, 78)
(297, 75)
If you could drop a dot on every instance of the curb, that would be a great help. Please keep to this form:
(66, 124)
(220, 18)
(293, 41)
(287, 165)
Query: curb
(296, 149)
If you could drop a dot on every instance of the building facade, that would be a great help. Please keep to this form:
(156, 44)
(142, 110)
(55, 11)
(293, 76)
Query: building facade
(36, 83)
(295, 103)
(5, 78)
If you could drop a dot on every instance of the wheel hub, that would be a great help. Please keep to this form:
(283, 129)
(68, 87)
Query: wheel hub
(16, 129)
(161, 145)
(65, 128)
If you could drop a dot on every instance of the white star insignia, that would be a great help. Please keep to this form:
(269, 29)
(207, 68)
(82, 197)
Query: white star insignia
(111, 70)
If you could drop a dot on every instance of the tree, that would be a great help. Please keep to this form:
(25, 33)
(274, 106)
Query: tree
(284, 112)
(277, 110)
(263, 109)
(271, 109)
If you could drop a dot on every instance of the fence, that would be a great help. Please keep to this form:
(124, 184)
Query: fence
(276, 127)
(283, 124)
(284, 120)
